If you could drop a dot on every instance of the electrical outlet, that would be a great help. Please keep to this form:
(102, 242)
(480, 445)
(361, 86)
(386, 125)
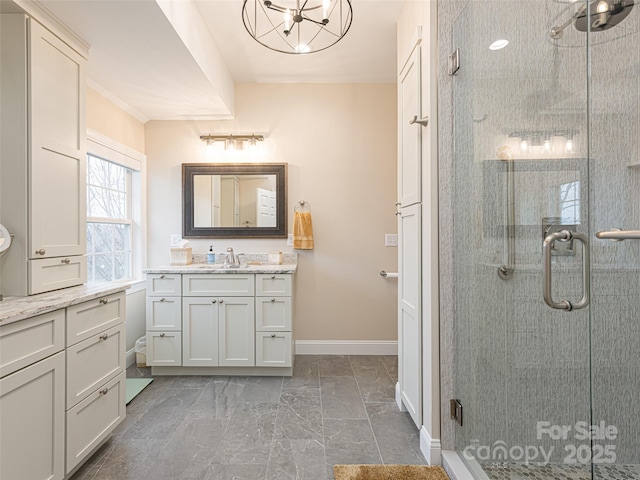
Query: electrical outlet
(175, 239)
(391, 240)
(290, 240)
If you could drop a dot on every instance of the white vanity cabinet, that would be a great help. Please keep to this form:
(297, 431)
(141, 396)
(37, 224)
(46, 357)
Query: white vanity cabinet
(229, 323)
(273, 320)
(96, 394)
(164, 320)
(32, 398)
(43, 131)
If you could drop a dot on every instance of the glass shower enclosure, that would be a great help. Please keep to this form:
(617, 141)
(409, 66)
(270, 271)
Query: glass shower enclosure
(547, 238)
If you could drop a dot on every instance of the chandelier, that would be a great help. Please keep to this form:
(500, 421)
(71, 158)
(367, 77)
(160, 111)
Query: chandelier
(297, 26)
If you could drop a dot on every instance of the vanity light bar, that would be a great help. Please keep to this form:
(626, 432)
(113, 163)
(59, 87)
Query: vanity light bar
(252, 139)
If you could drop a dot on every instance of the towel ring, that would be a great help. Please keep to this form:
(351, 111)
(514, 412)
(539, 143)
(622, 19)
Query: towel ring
(302, 206)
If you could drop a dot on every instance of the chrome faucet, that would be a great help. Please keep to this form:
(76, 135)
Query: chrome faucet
(231, 260)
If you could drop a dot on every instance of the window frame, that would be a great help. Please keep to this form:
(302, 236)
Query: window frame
(105, 148)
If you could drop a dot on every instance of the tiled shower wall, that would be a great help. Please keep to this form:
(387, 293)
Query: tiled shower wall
(513, 360)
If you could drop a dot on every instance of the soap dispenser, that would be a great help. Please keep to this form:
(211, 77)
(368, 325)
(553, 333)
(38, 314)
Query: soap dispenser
(211, 257)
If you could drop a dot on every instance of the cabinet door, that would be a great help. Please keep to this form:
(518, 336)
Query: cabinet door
(200, 331)
(164, 313)
(164, 349)
(273, 349)
(32, 415)
(237, 331)
(57, 92)
(273, 314)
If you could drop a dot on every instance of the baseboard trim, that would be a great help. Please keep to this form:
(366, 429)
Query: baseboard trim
(431, 448)
(456, 468)
(399, 401)
(346, 347)
(130, 358)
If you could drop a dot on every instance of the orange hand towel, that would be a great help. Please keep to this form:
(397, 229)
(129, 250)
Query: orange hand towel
(302, 231)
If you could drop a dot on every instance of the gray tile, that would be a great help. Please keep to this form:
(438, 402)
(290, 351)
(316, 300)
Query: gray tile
(305, 374)
(364, 360)
(341, 398)
(236, 472)
(129, 459)
(335, 366)
(299, 416)
(219, 398)
(158, 424)
(349, 441)
(296, 460)
(247, 439)
(262, 390)
(190, 381)
(176, 399)
(375, 383)
(390, 362)
(397, 437)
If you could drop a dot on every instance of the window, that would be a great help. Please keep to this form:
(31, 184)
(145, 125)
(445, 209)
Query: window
(108, 221)
(115, 226)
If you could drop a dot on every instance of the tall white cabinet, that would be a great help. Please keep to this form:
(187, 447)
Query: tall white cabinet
(43, 155)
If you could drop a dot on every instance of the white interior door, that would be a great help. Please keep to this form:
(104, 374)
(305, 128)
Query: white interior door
(266, 205)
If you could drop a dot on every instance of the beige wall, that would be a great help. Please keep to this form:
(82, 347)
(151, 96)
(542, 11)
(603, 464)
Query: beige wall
(105, 117)
(340, 144)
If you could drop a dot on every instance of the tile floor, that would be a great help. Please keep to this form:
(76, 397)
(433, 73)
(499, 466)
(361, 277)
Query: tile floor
(334, 409)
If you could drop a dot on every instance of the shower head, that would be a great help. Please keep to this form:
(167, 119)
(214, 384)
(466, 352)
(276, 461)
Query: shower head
(599, 16)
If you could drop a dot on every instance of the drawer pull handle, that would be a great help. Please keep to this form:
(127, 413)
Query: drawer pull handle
(42, 251)
(162, 334)
(162, 299)
(104, 391)
(273, 277)
(161, 276)
(103, 301)
(104, 337)
(273, 299)
(273, 335)
(214, 301)
(66, 261)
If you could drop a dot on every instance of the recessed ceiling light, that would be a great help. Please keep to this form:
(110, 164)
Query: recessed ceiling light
(498, 44)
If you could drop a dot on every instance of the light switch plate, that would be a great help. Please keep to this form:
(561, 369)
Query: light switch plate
(290, 240)
(391, 240)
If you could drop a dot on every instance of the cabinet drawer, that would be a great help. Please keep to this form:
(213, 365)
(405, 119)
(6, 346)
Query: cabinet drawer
(93, 419)
(89, 318)
(273, 349)
(273, 284)
(164, 349)
(92, 362)
(25, 342)
(49, 274)
(217, 284)
(273, 314)
(164, 284)
(164, 313)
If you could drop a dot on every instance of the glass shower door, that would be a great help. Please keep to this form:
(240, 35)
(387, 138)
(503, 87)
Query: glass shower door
(521, 172)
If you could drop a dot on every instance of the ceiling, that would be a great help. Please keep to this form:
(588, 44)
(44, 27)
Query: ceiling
(180, 59)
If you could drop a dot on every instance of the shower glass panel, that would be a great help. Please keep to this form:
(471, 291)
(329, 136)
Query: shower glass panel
(547, 141)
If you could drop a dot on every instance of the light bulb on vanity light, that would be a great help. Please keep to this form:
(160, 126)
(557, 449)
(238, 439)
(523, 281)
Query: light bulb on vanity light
(568, 146)
(547, 145)
(524, 145)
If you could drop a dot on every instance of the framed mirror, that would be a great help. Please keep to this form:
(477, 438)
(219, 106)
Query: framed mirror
(234, 200)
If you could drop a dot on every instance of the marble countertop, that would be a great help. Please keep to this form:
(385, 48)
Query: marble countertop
(217, 268)
(13, 309)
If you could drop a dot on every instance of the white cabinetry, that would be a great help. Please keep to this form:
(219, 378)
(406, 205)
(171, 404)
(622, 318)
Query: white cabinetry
(43, 129)
(227, 320)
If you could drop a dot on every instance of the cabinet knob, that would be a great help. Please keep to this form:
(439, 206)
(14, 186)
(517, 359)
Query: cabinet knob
(162, 334)
(161, 276)
(273, 335)
(214, 301)
(104, 337)
(221, 301)
(398, 213)
(104, 391)
(40, 252)
(103, 301)
(273, 299)
(66, 261)
(273, 277)
(162, 299)
(398, 204)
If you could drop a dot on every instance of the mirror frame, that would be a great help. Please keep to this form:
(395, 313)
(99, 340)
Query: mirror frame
(191, 169)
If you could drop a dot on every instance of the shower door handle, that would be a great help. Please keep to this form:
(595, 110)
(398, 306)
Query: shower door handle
(547, 246)
(617, 235)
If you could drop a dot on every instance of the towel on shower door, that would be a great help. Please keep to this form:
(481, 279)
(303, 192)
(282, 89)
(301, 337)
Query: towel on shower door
(302, 231)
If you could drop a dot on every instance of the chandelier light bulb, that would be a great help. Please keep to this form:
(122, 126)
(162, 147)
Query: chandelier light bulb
(287, 22)
(325, 11)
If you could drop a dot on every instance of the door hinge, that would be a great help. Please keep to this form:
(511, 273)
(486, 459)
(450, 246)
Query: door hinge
(456, 411)
(454, 62)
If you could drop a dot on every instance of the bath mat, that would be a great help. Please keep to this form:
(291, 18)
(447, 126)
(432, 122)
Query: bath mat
(388, 472)
(134, 386)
